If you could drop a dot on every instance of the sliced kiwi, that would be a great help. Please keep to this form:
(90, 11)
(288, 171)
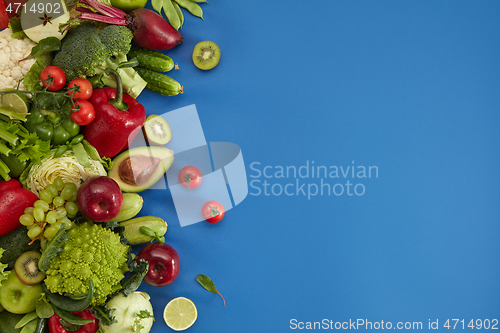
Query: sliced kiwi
(26, 268)
(156, 130)
(206, 55)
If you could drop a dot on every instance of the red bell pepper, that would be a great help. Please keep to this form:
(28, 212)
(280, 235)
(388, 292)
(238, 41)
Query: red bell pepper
(13, 201)
(56, 324)
(4, 17)
(118, 119)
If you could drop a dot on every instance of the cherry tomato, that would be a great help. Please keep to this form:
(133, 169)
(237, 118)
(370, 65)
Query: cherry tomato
(80, 88)
(190, 177)
(83, 113)
(212, 211)
(54, 74)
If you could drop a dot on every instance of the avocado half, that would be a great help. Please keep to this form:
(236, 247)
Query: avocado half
(139, 168)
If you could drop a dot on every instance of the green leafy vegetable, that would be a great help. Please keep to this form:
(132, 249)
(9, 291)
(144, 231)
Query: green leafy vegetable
(3, 274)
(208, 284)
(43, 308)
(151, 233)
(17, 29)
(104, 315)
(135, 277)
(46, 45)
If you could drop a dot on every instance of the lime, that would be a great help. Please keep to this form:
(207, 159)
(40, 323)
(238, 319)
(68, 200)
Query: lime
(180, 313)
(15, 102)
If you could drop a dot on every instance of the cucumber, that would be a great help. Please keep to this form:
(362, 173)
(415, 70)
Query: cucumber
(152, 60)
(132, 233)
(160, 83)
(131, 206)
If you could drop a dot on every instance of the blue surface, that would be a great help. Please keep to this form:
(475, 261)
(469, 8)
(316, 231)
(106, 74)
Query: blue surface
(411, 87)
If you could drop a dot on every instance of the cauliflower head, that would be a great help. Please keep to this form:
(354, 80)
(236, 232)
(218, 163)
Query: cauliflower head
(92, 252)
(11, 51)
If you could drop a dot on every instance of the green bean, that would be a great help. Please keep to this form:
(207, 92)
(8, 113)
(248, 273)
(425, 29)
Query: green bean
(179, 12)
(171, 14)
(191, 7)
(157, 5)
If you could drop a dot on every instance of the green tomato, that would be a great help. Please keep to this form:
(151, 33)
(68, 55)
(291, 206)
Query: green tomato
(128, 5)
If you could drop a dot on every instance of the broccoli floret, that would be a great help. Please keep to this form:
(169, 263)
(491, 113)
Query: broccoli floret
(87, 52)
(92, 252)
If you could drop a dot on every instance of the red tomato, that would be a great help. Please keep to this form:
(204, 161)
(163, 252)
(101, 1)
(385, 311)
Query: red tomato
(212, 211)
(80, 88)
(4, 17)
(190, 177)
(83, 113)
(54, 74)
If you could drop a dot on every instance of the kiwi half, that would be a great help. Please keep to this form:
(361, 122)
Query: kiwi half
(206, 55)
(26, 268)
(156, 130)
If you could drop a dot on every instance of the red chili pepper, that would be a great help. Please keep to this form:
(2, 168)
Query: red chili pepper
(56, 323)
(13, 201)
(118, 119)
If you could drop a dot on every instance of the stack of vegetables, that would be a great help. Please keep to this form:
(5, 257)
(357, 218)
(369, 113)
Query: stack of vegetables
(63, 264)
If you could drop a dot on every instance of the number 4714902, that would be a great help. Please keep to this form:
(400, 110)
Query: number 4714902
(473, 324)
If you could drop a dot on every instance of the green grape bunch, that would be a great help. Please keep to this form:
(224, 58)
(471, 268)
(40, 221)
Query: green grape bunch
(55, 208)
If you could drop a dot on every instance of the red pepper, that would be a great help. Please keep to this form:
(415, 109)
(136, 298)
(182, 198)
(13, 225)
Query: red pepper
(56, 325)
(13, 201)
(118, 119)
(4, 17)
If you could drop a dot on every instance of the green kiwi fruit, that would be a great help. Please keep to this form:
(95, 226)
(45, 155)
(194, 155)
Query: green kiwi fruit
(26, 268)
(206, 55)
(156, 130)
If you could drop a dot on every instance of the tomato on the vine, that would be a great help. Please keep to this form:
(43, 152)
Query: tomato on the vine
(190, 177)
(83, 113)
(53, 77)
(80, 89)
(212, 211)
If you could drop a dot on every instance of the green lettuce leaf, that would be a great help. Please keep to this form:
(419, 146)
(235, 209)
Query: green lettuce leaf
(32, 78)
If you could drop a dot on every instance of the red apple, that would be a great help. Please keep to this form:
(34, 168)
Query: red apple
(99, 199)
(163, 263)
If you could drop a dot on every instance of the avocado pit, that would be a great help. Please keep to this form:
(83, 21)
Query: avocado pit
(138, 169)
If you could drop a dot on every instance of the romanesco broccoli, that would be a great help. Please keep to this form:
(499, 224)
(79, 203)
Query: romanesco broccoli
(92, 252)
(87, 52)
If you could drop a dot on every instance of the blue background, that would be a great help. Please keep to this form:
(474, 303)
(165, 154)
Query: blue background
(411, 87)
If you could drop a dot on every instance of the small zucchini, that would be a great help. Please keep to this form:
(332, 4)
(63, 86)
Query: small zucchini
(131, 206)
(152, 60)
(132, 232)
(160, 83)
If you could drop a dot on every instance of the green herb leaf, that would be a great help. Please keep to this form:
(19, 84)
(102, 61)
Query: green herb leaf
(46, 45)
(209, 285)
(17, 29)
(43, 308)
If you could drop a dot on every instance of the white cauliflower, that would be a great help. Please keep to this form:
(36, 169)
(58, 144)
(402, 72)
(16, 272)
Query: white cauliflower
(11, 51)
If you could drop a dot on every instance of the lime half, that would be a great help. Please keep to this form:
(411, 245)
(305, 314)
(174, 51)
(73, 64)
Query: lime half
(180, 313)
(15, 102)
